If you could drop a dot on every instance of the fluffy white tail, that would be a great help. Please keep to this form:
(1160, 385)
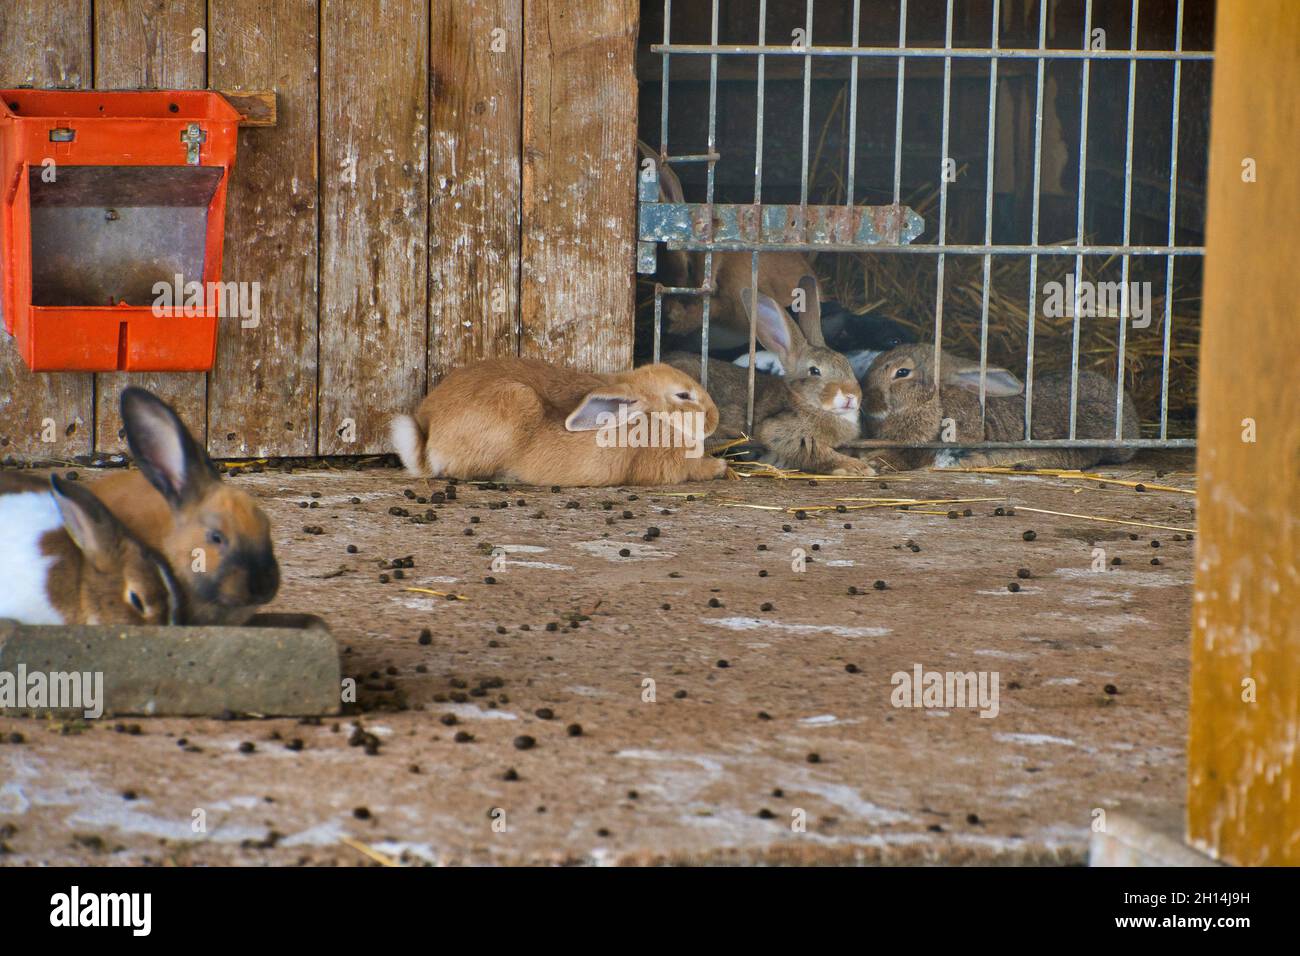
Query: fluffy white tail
(408, 442)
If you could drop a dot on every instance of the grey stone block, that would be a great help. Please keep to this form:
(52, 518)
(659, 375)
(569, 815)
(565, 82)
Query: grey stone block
(283, 665)
(1130, 841)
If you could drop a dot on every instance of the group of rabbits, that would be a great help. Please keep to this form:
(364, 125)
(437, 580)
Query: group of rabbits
(523, 420)
(527, 421)
(170, 543)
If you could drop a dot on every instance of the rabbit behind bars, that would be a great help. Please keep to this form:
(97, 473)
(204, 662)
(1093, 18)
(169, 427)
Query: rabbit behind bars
(788, 278)
(902, 404)
(799, 418)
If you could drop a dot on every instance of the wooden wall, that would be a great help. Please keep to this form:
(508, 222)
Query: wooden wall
(448, 180)
(1243, 773)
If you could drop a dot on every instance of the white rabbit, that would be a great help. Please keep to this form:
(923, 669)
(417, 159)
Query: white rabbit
(68, 560)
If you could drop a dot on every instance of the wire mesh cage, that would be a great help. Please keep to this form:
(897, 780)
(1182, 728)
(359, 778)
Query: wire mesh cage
(1015, 181)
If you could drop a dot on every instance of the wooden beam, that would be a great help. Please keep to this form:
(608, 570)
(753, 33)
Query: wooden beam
(579, 182)
(1243, 796)
(476, 64)
(262, 391)
(258, 107)
(374, 208)
(140, 44)
(35, 407)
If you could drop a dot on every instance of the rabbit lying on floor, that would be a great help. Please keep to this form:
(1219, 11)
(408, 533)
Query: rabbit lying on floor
(902, 403)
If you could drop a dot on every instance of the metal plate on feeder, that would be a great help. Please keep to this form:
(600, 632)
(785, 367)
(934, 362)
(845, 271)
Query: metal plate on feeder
(107, 234)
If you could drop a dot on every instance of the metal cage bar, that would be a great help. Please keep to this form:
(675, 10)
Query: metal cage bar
(898, 101)
(712, 160)
(931, 52)
(853, 112)
(1081, 213)
(1122, 344)
(988, 213)
(943, 199)
(759, 108)
(1173, 212)
(1033, 229)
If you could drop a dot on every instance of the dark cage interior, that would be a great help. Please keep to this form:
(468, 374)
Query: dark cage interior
(903, 287)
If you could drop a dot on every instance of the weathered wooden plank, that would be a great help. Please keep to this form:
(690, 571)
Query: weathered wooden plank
(44, 43)
(145, 44)
(476, 66)
(258, 107)
(262, 390)
(1243, 764)
(579, 204)
(374, 210)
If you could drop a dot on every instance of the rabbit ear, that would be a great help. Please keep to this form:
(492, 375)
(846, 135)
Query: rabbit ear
(92, 527)
(163, 448)
(773, 327)
(998, 382)
(175, 596)
(670, 187)
(810, 319)
(603, 408)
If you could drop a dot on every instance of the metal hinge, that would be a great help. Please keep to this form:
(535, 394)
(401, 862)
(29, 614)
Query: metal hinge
(647, 192)
(193, 137)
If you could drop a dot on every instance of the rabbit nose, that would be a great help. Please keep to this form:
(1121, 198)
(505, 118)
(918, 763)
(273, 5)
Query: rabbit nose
(847, 401)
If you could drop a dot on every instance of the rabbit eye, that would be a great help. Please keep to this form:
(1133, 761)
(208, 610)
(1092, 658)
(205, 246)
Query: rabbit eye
(216, 538)
(684, 396)
(902, 373)
(814, 370)
(135, 601)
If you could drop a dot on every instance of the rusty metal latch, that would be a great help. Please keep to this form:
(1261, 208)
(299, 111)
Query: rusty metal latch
(193, 137)
(62, 134)
(770, 227)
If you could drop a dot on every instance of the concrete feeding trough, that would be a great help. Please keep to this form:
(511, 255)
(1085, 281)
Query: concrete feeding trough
(279, 665)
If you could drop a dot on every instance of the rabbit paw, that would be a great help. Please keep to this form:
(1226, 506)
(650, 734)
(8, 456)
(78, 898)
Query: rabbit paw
(847, 465)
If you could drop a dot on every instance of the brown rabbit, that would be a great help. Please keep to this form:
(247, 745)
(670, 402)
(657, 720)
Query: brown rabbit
(780, 274)
(800, 417)
(903, 404)
(68, 560)
(216, 538)
(523, 420)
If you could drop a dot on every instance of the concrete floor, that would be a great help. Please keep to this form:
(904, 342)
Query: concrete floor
(797, 724)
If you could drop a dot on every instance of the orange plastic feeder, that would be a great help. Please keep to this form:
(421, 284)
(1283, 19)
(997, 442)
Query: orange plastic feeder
(108, 199)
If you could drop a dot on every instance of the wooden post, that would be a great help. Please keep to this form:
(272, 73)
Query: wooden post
(374, 208)
(140, 44)
(1243, 796)
(44, 43)
(579, 182)
(262, 391)
(475, 72)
